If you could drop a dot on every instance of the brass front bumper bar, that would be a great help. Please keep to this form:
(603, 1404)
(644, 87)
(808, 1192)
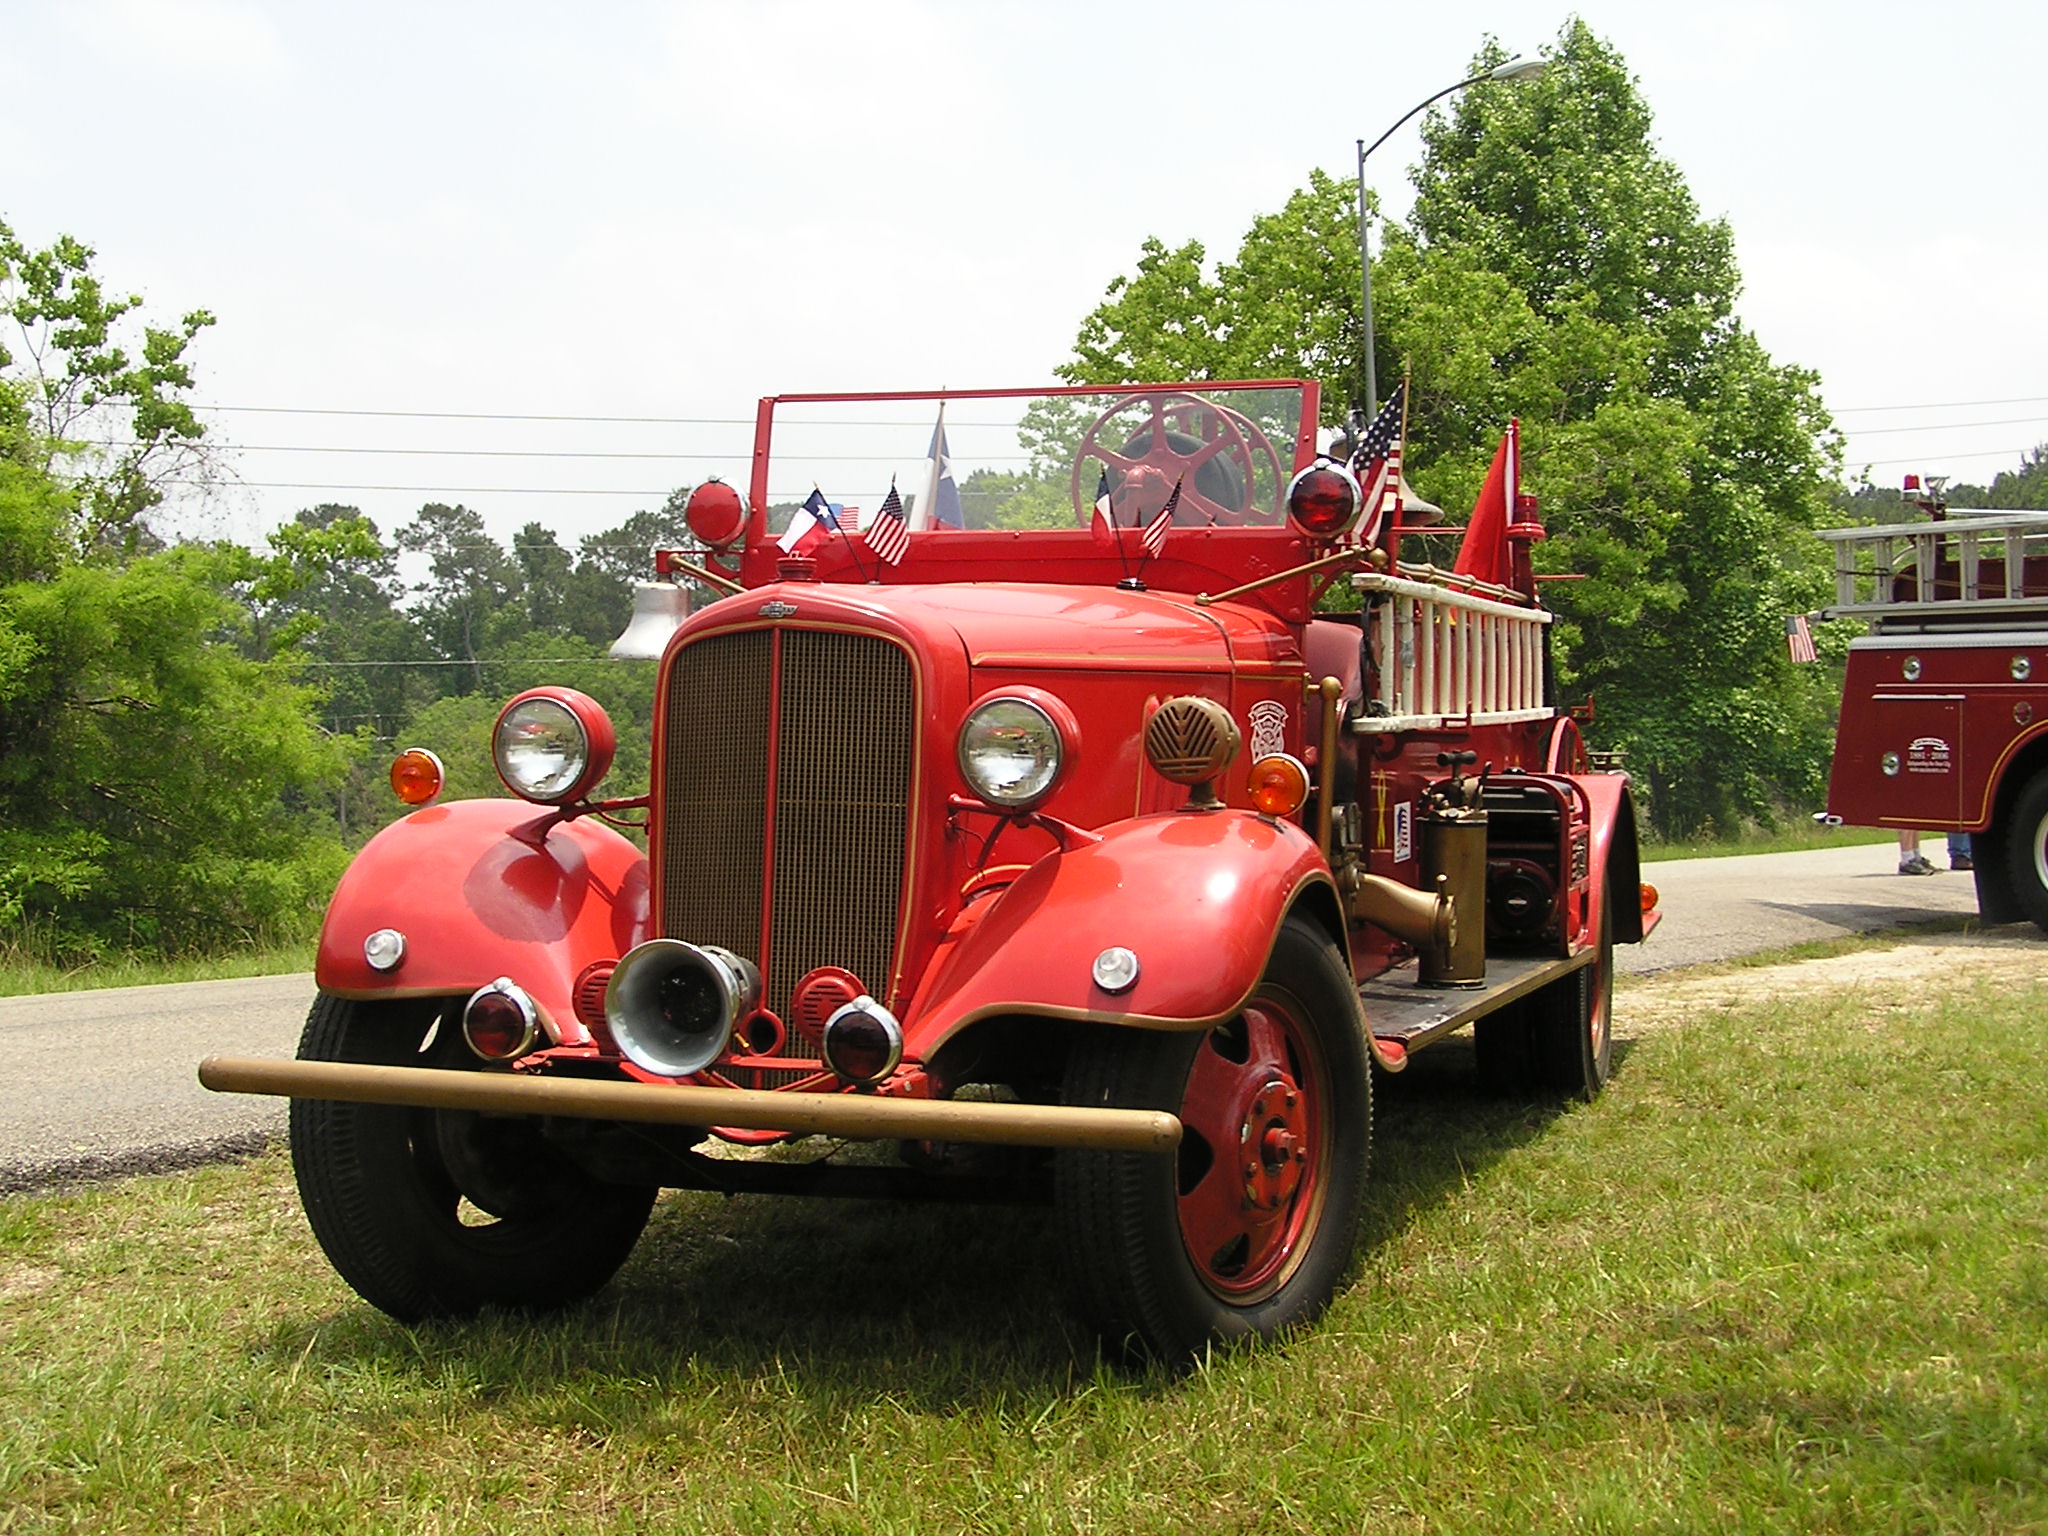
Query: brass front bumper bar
(831, 1114)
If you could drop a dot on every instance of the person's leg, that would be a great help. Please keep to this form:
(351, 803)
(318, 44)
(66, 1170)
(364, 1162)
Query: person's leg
(1910, 861)
(1961, 854)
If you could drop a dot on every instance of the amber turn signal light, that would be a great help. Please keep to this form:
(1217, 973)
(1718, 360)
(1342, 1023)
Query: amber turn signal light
(1647, 894)
(416, 776)
(1279, 784)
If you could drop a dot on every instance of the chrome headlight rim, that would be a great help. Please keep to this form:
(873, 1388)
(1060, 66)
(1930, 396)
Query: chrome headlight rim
(568, 732)
(1057, 737)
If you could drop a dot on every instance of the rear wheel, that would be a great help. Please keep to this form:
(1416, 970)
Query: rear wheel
(1247, 1229)
(432, 1213)
(2026, 850)
(1560, 1040)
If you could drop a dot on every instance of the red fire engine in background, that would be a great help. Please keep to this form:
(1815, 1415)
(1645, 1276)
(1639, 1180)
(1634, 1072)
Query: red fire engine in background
(1088, 862)
(1944, 723)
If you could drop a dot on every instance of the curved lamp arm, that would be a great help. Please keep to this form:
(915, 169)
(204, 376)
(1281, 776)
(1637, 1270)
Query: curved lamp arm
(1513, 69)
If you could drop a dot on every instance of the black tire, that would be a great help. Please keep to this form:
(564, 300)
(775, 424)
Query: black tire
(2026, 850)
(1173, 1252)
(1559, 1041)
(1504, 1048)
(1572, 1020)
(387, 1188)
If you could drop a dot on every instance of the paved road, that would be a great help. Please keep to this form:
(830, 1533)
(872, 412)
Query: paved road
(99, 1083)
(1717, 909)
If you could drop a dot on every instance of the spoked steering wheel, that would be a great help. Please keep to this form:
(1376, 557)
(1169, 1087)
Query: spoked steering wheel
(1217, 456)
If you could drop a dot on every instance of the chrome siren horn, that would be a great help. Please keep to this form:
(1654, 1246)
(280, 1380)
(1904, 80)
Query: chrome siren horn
(672, 1007)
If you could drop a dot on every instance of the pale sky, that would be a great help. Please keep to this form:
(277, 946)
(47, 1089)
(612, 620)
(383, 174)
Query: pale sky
(669, 210)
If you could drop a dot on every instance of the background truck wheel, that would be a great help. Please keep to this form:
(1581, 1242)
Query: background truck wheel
(434, 1213)
(1247, 1230)
(1558, 1041)
(2026, 850)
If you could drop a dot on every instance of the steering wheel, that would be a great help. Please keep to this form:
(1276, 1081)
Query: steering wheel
(1217, 456)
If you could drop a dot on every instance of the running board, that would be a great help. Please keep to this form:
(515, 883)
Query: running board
(1404, 1017)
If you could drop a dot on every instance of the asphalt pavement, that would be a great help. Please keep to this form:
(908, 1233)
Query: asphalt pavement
(101, 1083)
(1721, 909)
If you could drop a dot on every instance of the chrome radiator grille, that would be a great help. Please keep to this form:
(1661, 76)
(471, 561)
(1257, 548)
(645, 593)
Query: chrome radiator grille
(834, 714)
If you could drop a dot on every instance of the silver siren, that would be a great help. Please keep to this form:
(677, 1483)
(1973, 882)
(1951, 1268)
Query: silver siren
(673, 1006)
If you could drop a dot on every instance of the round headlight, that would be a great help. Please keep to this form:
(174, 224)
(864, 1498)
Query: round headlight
(552, 745)
(1011, 752)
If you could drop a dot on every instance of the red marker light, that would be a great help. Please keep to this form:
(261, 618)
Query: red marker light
(716, 513)
(1324, 500)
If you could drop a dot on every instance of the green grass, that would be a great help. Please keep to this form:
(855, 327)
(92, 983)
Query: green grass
(1789, 1274)
(1794, 838)
(23, 973)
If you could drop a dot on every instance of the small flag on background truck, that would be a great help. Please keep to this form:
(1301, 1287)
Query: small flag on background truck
(1799, 638)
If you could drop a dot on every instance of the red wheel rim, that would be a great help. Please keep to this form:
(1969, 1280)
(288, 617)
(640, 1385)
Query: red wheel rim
(1252, 1168)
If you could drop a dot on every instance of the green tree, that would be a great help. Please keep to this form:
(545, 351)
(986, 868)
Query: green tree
(99, 408)
(1558, 271)
(472, 586)
(544, 571)
(598, 597)
(2014, 490)
(161, 774)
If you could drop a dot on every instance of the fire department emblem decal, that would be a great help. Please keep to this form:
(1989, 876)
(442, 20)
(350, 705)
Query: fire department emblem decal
(778, 610)
(1928, 754)
(1268, 720)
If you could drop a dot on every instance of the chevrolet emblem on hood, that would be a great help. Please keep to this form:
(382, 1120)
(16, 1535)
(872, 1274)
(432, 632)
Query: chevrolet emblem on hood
(778, 610)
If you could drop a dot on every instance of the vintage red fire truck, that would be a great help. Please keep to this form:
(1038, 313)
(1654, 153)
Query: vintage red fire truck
(1944, 723)
(1088, 863)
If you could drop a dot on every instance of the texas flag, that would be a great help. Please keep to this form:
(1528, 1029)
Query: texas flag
(941, 505)
(1103, 524)
(810, 527)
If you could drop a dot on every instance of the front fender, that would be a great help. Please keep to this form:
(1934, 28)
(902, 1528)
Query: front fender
(1616, 860)
(1198, 897)
(480, 891)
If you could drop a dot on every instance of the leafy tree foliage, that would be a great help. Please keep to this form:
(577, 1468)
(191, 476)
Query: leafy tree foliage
(154, 762)
(1559, 271)
(2014, 490)
(95, 407)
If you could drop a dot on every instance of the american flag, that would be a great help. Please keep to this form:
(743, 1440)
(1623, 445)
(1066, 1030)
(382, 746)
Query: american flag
(1377, 463)
(1799, 638)
(1155, 531)
(848, 518)
(888, 535)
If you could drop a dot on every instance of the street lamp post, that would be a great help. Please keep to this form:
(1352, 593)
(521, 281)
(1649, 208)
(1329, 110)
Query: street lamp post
(1514, 69)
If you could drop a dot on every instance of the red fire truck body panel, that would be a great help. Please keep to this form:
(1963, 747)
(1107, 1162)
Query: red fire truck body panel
(1944, 721)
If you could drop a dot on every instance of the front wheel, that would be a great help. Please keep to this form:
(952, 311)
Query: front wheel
(2026, 849)
(1246, 1229)
(436, 1213)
